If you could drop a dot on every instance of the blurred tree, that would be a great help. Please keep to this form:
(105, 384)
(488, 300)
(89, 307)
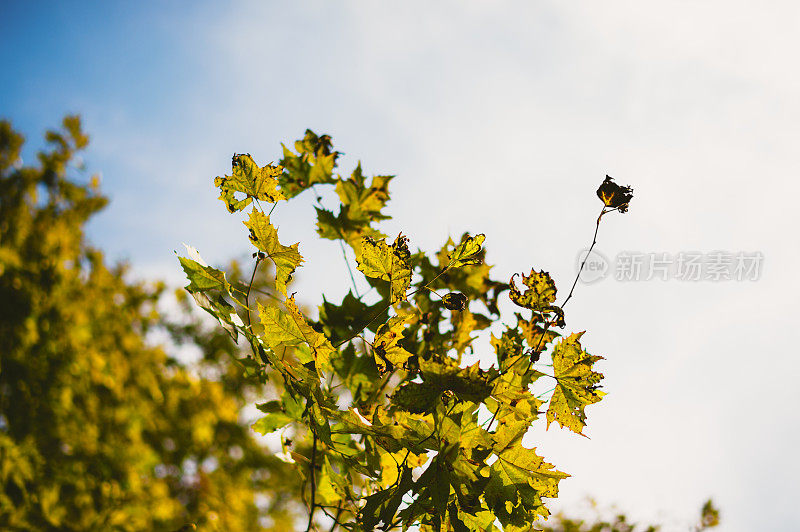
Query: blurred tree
(99, 428)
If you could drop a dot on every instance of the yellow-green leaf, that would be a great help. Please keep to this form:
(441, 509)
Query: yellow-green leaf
(518, 480)
(265, 237)
(271, 423)
(540, 292)
(254, 181)
(202, 277)
(467, 252)
(390, 263)
(577, 384)
(388, 354)
(291, 328)
(331, 486)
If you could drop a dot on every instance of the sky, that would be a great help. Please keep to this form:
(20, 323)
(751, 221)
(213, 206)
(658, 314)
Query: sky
(500, 118)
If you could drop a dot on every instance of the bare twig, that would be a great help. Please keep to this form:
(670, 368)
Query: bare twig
(341, 245)
(313, 483)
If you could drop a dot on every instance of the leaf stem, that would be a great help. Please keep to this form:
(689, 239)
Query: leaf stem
(247, 294)
(594, 241)
(341, 245)
(313, 483)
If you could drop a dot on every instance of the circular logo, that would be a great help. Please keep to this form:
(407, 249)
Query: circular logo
(595, 266)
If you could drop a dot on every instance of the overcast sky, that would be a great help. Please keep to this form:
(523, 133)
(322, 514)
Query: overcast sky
(501, 118)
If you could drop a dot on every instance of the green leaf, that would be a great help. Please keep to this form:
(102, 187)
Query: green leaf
(247, 177)
(271, 423)
(378, 260)
(265, 237)
(202, 277)
(467, 252)
(518, 480)
(577, 384)
(291, 328)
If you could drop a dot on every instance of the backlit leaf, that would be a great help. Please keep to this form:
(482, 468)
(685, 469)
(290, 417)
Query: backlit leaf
(290, 327)
(254, 181)
(265, 237)
(271, 423)
(577, 384)
(539, 294)
(389, 263)
(203, 278)
(519, 478)
(390, 356)
(467, 252)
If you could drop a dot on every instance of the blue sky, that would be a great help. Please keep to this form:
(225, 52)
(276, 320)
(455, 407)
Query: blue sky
(500, 118)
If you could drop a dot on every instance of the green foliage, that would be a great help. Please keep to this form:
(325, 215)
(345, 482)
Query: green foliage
(100, 430)
(386, 425)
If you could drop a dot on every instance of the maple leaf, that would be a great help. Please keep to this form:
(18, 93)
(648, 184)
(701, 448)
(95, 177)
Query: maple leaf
(378, 260)
(364, 202)
(203, 278)
(313, 164)
(271, 422)
(265, 237)
(539, 294)
(577, 384)
(467, 384)
(254, 181)
(614, 195)
(291, 328)
(467, 252)
(519, 478)
(388, 354)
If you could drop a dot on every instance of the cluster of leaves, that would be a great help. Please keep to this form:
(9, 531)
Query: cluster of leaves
(382, 420)
(99, 429)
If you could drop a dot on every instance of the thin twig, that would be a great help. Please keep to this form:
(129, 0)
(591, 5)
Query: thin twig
(247, 294)
(341, 244)
(594, 241)
(569, 296)
(313, 483)
(335, 518)
(550, 322)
